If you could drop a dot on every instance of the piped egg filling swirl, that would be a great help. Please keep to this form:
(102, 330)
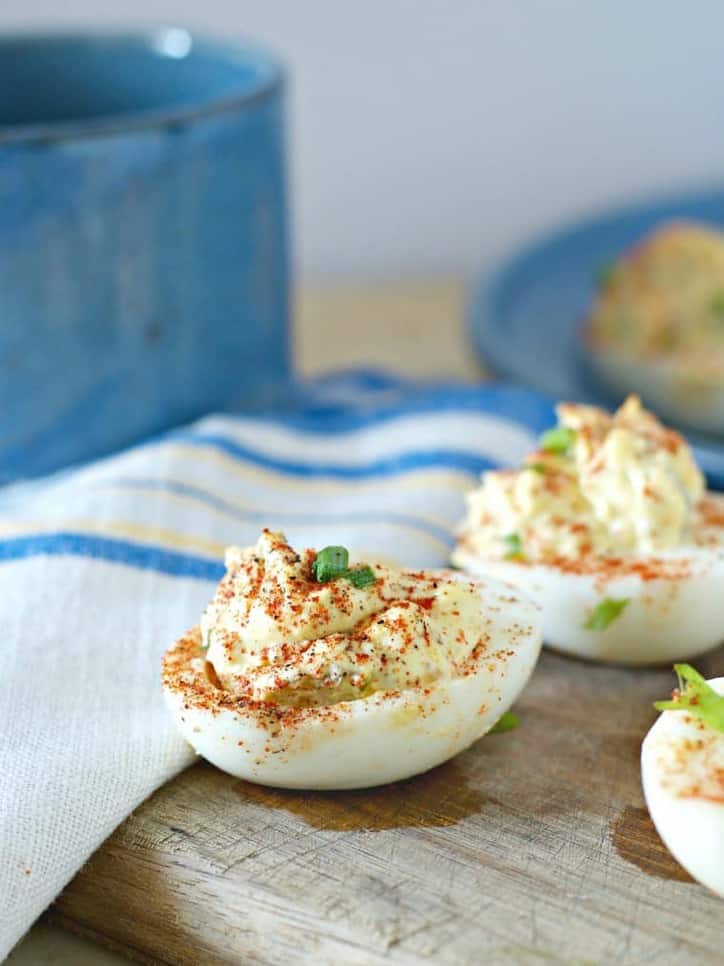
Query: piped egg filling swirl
(600, 484)
(282, 629)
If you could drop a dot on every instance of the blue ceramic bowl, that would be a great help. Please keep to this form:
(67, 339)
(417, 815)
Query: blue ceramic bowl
(143, 239)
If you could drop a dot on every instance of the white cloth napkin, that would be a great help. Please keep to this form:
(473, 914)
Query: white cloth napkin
(101, 568)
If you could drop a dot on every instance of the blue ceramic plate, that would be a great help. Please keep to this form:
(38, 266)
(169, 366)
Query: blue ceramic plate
(525, 317)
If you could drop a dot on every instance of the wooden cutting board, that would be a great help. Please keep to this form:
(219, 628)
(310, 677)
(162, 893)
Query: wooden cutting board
(532, 847)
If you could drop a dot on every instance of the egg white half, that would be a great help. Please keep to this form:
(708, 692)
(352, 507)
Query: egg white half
(691, 826)
(665, 620)
(385, 737)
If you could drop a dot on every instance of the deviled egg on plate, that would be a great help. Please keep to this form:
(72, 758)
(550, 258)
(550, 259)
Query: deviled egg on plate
(682, 771)
(308, 673)
(657, 324)
(609, 527)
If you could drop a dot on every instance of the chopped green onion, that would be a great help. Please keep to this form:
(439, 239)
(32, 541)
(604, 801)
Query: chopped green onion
(361, 577)
(557, 440)
(513, 545)
(605, 613)
(716, 302)
(696, 696)
(330, 563)
(506, 722)
(605, 274)
(539, 468)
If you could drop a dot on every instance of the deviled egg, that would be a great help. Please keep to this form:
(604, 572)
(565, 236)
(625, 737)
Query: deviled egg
(657, 324)
(682, 771)
(306, 672)
(609, 527)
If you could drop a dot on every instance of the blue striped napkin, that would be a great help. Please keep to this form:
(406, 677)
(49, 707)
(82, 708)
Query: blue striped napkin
(104, 566)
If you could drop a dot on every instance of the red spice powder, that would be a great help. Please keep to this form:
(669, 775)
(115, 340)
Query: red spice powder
(711, 511)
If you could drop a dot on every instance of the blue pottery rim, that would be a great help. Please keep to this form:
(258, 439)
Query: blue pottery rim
(269, 83)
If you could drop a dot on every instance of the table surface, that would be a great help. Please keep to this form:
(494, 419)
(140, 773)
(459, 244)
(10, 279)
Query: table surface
(393, 325)
(416, 328)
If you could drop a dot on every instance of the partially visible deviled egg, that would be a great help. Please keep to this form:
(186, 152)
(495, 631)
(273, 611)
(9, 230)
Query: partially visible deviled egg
(682, 770)
(657, 324)
(609, 527)
(308, 673)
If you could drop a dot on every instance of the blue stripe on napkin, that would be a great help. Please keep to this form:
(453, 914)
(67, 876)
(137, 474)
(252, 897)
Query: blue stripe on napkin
(377, 460)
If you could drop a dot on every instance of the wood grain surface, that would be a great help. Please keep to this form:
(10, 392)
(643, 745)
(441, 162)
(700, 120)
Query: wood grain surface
(417, 328)
(531, 847)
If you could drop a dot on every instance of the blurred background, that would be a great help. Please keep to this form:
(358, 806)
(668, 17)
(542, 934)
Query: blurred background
(429, 137)
(426, 142)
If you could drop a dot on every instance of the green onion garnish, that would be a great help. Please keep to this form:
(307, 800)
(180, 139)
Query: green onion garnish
(332, 563)
(605, 613)
(557, 440)
(361, 577)
(716, 302)
(506, 722)
(697, 696)
(605, 274)
(513, 546)
(539, 468)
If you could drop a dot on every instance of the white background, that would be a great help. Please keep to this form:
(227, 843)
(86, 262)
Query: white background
(428, 136)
